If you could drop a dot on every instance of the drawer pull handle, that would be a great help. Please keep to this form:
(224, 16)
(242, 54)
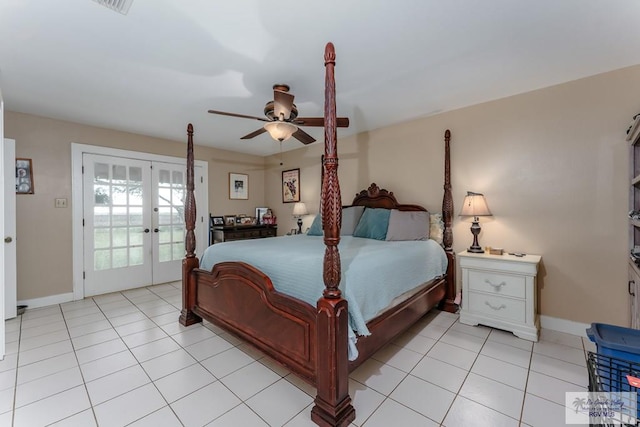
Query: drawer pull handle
(500, 307)
(495, 286)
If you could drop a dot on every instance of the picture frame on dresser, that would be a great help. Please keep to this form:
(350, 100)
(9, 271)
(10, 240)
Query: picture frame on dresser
(229, 220)
(217, 220)
(259, 214)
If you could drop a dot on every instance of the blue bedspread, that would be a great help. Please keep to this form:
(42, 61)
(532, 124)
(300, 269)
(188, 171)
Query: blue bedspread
(374, 272)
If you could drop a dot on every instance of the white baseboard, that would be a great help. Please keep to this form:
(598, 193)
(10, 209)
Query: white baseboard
(45, 301)
(563, 325)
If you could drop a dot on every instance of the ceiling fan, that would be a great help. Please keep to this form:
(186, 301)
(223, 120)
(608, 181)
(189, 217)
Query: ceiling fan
(282, 118)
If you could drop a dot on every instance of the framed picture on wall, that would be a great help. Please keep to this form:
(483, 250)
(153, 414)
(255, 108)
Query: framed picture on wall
(291, 186)
(24, 176)
(238, 186)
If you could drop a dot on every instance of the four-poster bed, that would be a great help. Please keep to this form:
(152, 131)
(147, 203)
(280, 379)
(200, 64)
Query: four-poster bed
(311, 341)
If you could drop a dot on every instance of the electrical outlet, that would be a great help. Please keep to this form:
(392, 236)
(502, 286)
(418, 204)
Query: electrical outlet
(61, 203)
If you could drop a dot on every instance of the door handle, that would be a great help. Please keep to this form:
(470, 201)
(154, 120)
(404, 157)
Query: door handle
(155, 230)
(8, 240)
(631, 283)
(146, 230)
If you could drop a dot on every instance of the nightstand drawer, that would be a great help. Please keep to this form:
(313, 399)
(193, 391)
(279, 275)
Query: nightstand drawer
(496, 283)
(496, 306)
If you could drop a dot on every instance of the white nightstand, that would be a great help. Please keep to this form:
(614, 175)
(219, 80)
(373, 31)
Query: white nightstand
(500, 291)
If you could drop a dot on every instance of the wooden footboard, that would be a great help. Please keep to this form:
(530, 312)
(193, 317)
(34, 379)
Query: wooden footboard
(242, 300)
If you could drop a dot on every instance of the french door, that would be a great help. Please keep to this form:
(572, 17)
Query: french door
(133, 222)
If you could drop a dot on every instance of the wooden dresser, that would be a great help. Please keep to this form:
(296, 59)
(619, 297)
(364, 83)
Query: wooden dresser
(219, 233)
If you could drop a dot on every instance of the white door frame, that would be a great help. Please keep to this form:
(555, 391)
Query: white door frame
(77, 150)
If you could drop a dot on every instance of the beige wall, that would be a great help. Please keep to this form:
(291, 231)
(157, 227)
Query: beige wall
(44, 233)
(552, 163)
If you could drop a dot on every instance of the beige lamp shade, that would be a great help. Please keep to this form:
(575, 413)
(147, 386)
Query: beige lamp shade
(280, 131)
(300, 209)
(475, 205)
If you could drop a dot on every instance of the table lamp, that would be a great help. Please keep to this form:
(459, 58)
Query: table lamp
(300, 210)
(475, 205)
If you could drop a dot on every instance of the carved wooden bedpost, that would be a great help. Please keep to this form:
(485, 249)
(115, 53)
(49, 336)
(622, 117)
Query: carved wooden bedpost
(332, 404)
(447, 240)
(187, 317)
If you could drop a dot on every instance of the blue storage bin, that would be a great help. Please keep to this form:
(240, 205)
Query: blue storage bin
(621, 348)
(616, 341)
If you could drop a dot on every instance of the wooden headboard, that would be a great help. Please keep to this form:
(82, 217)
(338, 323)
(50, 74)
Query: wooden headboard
(376, 197)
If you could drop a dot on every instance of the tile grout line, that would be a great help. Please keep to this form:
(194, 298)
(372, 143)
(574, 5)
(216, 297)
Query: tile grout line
(15, 387)
(467, 374)
(84, 383)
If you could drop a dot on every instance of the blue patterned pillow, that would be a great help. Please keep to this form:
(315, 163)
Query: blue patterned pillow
(373, 224)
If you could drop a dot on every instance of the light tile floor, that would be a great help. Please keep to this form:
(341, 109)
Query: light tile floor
(122, 359)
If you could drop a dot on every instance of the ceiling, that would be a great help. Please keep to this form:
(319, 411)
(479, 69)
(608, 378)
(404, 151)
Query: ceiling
(165, 63)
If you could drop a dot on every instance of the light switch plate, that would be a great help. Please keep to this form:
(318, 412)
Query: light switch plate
(61, 203)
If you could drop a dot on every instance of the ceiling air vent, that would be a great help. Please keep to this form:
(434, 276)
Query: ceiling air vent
(121, 6)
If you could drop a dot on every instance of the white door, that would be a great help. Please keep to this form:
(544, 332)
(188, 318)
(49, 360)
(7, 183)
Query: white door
(9, 233)
(169, 188)
(117, 224)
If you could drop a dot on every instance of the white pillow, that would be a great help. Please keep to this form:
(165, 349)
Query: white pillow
(436, 227)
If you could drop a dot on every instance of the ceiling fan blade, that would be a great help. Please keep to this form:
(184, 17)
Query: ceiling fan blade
(303, 137)
(254, 133)
(242, 116)
(341, 122)
(282, 104)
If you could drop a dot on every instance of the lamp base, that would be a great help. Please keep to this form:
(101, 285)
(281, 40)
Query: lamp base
(475, 248)
(299, 225)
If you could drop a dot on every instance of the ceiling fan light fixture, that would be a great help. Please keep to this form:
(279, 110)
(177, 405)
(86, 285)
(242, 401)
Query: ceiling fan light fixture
(280, 131)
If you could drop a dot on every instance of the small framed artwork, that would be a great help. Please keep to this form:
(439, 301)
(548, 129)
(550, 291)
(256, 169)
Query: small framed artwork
(259, 214)
(238, 186)
(291, 186)
(24, 176)
(217, 220)
(229, 220)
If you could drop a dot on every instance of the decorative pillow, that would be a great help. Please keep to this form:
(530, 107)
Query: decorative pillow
(436, 227)
(316, 227)
(373, 224)
(350, 217)
(408, 225)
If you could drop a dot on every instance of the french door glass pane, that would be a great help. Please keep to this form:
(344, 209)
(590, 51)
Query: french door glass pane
(136, 256)
(171, 194)
(117, 216)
